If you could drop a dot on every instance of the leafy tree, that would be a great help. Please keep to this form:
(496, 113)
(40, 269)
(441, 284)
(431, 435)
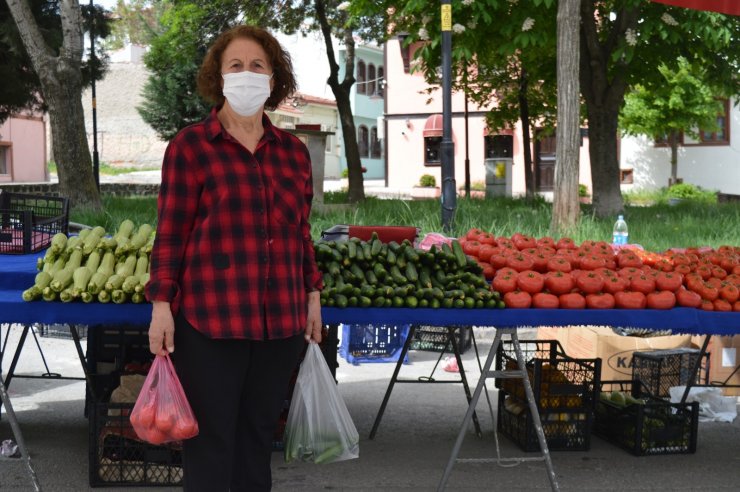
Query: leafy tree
(622, 43)
(21, 85)
(54, 52)
(684, 102)
(187, 30)
(136, 22)
(171, 99)
(503, 58)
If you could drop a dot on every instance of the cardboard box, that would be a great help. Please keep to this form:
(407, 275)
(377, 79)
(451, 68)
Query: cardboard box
(615, 351)
(724, 357)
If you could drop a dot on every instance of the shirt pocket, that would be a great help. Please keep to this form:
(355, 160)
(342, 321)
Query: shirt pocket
(288, 200)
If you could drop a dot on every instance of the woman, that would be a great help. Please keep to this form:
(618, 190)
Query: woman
(234, 284)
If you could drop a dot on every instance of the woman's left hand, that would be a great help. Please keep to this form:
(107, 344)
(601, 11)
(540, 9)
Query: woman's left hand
(313, 322)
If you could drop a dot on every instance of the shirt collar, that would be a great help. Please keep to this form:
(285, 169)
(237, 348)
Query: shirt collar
(214, 127)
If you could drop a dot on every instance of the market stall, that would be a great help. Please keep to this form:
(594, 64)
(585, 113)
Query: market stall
(17, 272)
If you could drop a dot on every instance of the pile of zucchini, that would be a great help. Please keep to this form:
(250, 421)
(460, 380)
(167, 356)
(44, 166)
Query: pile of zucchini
(94, 266)
(371, 273)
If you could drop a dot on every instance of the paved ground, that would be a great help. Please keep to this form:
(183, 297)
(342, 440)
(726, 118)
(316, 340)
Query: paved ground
(409, 452)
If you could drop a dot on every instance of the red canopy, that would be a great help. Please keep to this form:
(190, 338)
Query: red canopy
(731, 7)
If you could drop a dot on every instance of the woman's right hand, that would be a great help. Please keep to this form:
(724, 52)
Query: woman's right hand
(161, 329)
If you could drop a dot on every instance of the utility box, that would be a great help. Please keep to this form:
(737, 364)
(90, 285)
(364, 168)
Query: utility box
(498, 176)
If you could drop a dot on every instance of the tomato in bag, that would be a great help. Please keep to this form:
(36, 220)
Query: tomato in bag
(162, 412)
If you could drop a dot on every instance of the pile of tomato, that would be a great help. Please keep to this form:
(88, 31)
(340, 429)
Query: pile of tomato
(548, 273)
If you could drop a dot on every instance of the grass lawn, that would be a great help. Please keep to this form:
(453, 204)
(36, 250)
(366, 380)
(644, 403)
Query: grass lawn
(656, 227)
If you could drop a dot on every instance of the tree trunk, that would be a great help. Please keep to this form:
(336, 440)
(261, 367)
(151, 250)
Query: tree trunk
(602, 135)
(674, 158)
(566, 208)
(67, 123)
(603, 84)
(61, 83)
(341, 92)
(529, 183)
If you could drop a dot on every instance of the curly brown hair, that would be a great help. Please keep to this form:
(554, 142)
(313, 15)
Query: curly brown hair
(209, 75)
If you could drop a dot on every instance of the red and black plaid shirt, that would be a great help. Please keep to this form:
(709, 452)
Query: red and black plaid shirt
(233, 248)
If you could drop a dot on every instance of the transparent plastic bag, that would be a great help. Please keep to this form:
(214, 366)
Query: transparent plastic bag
(162, 412)
(319, 428)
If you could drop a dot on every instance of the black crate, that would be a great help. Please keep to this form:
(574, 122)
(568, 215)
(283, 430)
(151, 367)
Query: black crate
(655, 427)
(28, 222)
(61, 331)
(436, 339)
(659, 370)
(559, 383)
(117, 457)
(115, 346)
(564, 431)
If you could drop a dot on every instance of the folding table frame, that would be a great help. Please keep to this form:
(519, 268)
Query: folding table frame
(520, 373)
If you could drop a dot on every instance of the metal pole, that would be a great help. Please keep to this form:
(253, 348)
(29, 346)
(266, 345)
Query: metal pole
(449, 191)
(467, 146)
(96, 161)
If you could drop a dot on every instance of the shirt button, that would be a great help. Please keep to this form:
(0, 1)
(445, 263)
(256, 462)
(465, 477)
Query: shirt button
(263, 258)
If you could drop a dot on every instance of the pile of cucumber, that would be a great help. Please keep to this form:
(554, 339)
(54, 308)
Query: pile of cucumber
(94, 266)
(372, 273)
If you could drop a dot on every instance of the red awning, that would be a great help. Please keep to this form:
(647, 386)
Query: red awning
(433, 126)
(730, 7)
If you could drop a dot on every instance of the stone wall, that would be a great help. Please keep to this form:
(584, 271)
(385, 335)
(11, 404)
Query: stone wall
(116, 189)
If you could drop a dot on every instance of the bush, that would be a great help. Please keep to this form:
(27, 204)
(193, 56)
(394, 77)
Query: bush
(688, 191)
(427, 181)
(582, 190)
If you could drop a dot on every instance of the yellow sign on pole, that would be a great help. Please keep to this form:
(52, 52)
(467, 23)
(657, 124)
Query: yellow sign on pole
(446, 17)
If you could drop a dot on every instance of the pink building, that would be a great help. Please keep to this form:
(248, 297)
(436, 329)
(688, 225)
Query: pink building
(414, 132)
(23, 149)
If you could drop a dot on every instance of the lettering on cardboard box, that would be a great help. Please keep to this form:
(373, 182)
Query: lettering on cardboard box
(621, 362)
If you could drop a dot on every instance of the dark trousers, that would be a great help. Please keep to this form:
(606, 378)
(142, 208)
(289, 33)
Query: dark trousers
(237, 389)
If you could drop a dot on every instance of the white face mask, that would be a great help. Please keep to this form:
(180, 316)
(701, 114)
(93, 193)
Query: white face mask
(246, 91)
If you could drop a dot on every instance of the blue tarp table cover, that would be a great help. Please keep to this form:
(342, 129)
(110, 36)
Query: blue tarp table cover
(17, 273)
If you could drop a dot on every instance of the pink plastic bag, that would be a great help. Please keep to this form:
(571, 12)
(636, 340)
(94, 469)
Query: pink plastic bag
(162, 413)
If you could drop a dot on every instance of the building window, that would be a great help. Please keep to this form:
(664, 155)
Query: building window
(381, 81)
(362, 140)
(626, 176)
(329, 140)
(361, 78)
(371, 82)
(722, 135)
(375, 152)
(719, 137)
(432, 156)
(4, 159)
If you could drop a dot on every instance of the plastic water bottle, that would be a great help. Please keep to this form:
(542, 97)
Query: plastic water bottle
(620, 234)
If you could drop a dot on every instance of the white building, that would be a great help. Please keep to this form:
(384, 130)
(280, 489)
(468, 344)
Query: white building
(712, 162)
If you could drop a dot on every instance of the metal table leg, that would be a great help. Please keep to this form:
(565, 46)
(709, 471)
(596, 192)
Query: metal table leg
(394, 379)
(16, 355)
(386, 397)
(486, 373)
(5, 400)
